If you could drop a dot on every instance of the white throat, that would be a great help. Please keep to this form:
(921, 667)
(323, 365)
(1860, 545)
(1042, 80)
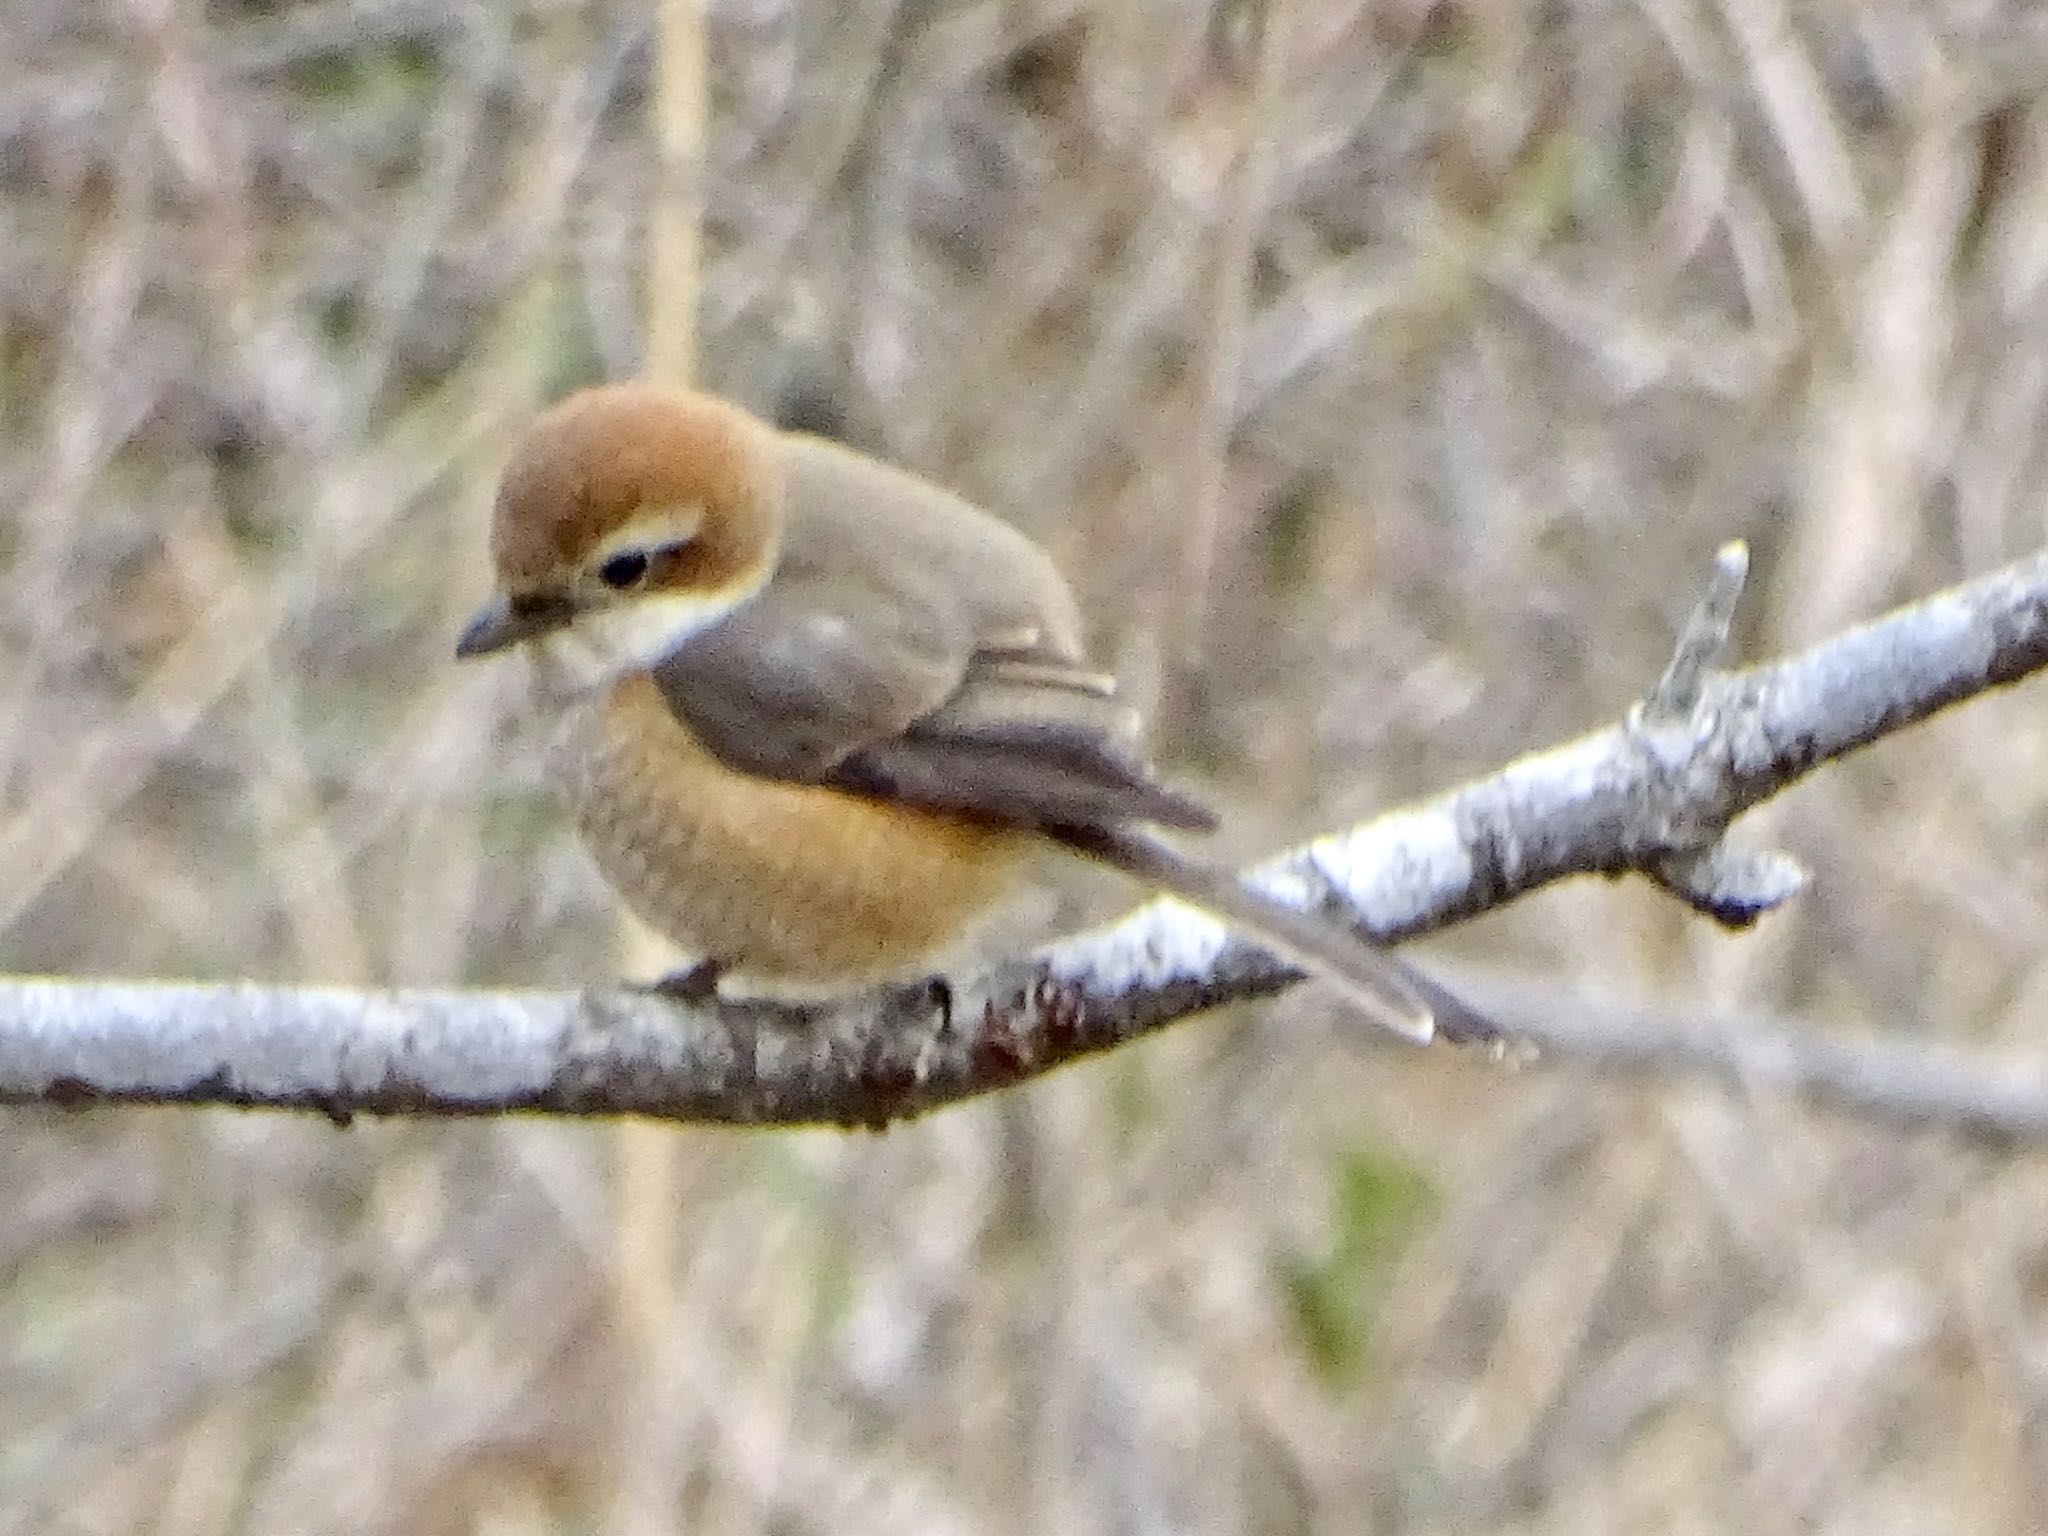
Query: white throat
(599, 647)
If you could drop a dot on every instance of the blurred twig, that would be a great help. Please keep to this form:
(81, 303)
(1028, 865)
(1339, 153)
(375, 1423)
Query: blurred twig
(1215, 405)
(648, 1191)
(1630, 798)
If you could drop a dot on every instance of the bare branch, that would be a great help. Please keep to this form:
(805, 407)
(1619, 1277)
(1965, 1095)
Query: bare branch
(1901, 1080)
(1635, 797)
(1704, 640)
(1726, 884)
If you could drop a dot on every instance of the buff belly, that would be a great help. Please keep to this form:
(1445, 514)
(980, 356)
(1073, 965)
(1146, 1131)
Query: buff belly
(783, 885)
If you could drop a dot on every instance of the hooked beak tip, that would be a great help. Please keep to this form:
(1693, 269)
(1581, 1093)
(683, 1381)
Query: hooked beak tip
(498, 626)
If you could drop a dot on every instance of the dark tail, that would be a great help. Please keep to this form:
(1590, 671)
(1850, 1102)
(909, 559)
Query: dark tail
(1390, 992)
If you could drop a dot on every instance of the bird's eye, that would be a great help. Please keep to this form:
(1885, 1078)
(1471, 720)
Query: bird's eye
(624, 570)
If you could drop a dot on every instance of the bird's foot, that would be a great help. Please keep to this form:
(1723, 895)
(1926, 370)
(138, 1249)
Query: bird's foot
(692, 984)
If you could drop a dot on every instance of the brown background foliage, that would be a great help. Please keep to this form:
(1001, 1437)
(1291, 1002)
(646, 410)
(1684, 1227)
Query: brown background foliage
(1386, 373)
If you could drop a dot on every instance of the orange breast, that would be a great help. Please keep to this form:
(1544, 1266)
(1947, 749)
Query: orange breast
(780, 883)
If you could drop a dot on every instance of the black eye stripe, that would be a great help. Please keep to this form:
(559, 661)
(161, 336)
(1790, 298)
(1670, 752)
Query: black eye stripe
(539, 605)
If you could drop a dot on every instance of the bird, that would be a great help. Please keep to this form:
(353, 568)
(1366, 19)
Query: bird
(815, 714)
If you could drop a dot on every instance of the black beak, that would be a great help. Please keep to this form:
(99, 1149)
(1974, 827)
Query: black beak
(500, 624)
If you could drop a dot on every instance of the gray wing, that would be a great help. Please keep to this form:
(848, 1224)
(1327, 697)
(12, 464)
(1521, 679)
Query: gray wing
(1023, 742)
(798, 677)
(832, 683)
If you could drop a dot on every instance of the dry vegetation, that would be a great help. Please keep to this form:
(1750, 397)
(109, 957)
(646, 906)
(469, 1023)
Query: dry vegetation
(1387, 371)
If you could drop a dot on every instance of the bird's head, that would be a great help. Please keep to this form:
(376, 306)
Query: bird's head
(630, 515)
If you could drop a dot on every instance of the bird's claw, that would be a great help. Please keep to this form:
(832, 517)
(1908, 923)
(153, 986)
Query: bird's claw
(695, 984)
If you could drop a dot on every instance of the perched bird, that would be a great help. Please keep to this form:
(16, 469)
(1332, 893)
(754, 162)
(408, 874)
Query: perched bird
(817, 712)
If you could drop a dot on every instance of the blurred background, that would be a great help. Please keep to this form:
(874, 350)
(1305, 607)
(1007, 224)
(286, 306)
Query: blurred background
(1386, 372)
